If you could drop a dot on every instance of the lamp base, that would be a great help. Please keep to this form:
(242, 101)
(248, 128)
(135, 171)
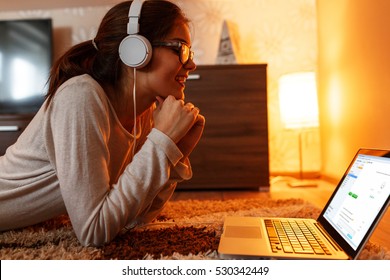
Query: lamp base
(302, 184)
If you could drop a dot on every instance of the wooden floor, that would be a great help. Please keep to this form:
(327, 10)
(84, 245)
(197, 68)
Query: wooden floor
(318, 196)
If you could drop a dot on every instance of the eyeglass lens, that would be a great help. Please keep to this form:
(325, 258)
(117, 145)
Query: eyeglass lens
(185, 54)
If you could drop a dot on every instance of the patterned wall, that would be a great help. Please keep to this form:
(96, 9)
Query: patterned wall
(281, 33)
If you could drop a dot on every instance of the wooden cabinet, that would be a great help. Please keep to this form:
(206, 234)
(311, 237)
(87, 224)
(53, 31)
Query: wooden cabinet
(233, 152)
(11, 126)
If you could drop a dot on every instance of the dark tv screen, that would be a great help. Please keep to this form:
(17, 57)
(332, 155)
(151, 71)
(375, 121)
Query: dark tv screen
(25, 61)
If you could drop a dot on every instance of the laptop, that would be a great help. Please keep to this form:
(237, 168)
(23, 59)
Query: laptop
(341, 230)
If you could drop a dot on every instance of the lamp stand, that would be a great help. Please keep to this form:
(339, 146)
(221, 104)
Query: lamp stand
(301, 183)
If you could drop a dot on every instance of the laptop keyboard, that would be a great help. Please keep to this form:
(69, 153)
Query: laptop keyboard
(294, 237)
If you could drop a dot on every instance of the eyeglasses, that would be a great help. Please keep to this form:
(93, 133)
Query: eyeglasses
(182, 49)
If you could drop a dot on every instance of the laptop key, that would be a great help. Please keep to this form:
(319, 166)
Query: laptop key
(319, 251)
(288, 249)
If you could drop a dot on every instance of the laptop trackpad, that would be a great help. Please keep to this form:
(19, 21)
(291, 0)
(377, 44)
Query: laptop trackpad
(242, 232)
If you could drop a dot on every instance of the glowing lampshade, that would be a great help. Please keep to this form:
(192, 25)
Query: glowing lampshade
(298, 100)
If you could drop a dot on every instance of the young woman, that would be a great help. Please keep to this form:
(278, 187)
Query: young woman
(110, 142)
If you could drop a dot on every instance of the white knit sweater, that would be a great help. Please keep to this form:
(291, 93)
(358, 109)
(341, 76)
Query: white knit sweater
(75, 157)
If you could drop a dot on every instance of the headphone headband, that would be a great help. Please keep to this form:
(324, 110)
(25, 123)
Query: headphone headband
(134, 15)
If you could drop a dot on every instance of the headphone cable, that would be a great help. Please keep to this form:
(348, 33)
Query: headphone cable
(135, 112)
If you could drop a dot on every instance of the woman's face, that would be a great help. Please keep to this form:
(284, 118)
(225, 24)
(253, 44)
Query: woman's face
(166, 75)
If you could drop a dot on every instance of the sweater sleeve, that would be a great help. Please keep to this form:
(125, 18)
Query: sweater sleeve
(78, 132)
(180, 170)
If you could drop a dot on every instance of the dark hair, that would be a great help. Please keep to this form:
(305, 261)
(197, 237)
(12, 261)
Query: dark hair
(158, 17)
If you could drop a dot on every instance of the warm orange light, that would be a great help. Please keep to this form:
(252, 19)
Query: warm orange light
(334, 100)
(298, 100)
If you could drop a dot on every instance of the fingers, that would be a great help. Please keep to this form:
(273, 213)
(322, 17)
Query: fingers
(160, 100)
(190, 107)
(170, 99)
(175, 117)
(200, 120)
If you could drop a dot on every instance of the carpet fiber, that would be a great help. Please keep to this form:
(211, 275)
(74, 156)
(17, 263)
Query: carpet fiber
(187, 229)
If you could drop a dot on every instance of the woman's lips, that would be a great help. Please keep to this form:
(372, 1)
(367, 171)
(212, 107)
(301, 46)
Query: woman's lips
(181, 80)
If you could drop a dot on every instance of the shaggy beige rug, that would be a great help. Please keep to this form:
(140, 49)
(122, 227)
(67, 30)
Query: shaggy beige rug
(188, 229)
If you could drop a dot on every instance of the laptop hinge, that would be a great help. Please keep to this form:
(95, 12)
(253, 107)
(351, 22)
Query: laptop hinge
(328, 237)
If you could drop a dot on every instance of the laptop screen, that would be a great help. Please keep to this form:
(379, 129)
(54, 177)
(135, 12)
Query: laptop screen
(361, 196)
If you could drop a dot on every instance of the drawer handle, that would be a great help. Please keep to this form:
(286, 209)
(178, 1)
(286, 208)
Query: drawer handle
(193, 77)
(9, 128)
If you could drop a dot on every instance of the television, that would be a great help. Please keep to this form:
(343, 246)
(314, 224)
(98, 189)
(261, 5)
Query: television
(25, 60)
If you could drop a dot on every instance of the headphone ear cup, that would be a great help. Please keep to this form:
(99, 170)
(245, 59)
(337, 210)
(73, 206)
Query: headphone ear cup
(135, 51)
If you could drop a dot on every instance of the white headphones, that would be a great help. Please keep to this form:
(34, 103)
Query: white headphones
(135, 50)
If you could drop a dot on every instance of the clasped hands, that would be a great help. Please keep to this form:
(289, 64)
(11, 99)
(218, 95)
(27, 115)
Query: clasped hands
(180, 121)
